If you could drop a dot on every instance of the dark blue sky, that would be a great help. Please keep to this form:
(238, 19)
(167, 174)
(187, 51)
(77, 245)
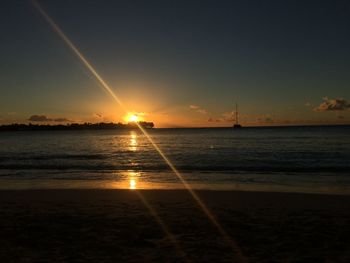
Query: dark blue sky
(160, 57)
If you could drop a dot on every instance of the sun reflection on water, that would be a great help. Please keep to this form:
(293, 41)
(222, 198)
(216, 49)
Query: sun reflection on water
(202, 205)
(133, 141)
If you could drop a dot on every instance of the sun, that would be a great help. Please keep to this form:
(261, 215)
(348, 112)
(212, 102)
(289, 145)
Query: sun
(133, 118)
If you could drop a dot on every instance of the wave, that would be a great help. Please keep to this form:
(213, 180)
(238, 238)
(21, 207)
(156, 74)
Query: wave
(23, 157)
(182, 168)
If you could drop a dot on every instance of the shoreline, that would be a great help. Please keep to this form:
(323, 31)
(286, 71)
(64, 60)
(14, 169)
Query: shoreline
(134, 184)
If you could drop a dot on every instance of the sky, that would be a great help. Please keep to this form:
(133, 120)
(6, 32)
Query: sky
(177, 63)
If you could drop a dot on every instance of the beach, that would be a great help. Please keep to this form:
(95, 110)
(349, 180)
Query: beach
(174, 131)
(89, 225)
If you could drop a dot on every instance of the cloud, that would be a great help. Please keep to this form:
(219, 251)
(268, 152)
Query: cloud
(61, 120)
(44, 118)
(38, 118)
(214, 120)
(225, 117)
(140, 114)
(265, 120)
(333, 105)
(198, 109)
(228, 116)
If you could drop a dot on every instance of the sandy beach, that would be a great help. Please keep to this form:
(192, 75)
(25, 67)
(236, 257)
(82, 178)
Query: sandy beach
(128, 226)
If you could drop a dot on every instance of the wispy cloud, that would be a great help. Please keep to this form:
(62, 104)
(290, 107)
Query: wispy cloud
(338, 104)
(225, 117)
(265, 119)
(214, 120)
(61, 120)
(253, 119)
(44, 118)
(98, 115)
(198, 109)
(140, 114)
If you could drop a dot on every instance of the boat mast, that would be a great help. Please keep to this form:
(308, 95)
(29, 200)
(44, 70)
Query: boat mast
(236, 125)
(236, 114)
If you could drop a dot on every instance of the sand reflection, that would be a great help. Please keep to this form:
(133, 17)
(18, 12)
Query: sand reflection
(132, 179)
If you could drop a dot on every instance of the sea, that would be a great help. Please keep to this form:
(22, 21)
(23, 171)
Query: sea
(313, 159)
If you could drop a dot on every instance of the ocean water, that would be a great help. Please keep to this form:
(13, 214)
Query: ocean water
(306, 159)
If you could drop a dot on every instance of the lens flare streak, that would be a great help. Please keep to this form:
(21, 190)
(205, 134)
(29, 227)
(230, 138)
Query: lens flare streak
(106, 87)
(165, 229)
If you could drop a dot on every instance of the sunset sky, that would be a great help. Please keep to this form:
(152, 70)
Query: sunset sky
(177, 63)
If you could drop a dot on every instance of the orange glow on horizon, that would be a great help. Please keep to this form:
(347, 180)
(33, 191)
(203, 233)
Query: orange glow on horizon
(132, 184)
(230, 241)
(132, 117)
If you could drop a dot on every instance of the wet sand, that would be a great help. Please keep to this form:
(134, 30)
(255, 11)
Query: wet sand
(128, 226)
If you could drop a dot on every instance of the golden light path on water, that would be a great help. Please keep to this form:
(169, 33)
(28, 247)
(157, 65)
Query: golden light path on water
(229, 240)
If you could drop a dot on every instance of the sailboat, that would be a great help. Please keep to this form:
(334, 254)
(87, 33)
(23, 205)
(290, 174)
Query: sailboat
(236, 125)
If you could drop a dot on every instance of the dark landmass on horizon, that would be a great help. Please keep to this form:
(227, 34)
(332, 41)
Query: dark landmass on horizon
(74, 126)
(130, 125)
(265, 126)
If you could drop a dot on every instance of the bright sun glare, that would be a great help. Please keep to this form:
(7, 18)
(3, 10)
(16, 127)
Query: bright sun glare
(132, 184)
(133, 118)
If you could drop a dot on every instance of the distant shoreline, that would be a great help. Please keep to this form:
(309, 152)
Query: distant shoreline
(265, 126)
(75, 126)
(147, 125)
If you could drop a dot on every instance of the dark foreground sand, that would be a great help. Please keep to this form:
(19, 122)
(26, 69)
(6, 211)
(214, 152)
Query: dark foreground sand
(116, 226)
